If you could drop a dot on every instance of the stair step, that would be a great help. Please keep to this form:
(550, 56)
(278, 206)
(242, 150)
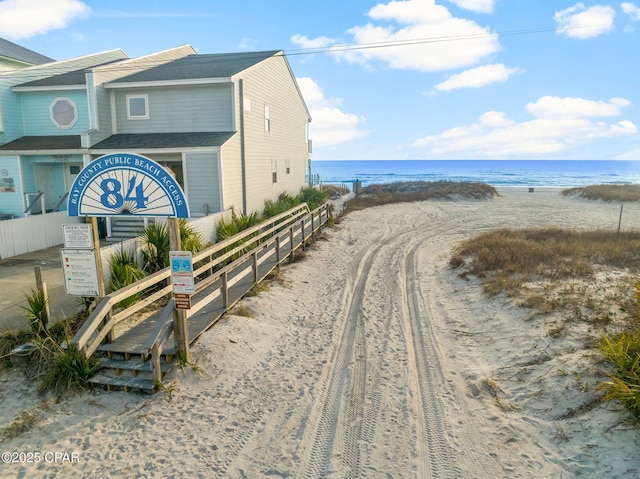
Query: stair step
(133, 365)
(146, 385)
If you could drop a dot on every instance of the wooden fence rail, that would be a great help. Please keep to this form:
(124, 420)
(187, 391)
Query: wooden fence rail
(214, 264)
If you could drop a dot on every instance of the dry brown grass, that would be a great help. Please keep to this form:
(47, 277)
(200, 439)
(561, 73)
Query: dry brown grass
(403, 192)
(334, 191)
(606, 192)
(546, 252)
(586, 275)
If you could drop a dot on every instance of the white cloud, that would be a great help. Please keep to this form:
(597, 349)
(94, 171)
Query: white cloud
(330, 125)
(554, 107)
(320, 42)
(582, 22)
(480, 6)
(414, 35)
(631, 10)
(559, 124)
(478, 77)
(27, 18)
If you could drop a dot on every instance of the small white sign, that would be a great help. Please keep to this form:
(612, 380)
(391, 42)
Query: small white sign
(182, 272)
(78, 236)
(80, 272)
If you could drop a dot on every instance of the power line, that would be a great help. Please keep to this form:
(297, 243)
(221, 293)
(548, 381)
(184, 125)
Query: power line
(133, 64)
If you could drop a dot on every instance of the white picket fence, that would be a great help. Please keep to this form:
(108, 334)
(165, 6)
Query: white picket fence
(33, 233)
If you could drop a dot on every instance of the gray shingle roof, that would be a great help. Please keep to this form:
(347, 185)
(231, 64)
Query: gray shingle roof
(135, 141)
(59, 142)
(218, 65)
(21, 54)
(77, 77)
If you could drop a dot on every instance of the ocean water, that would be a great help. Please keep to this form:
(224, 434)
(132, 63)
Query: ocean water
(558, 173)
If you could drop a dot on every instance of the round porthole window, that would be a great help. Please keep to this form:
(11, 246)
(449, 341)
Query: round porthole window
(64, 112)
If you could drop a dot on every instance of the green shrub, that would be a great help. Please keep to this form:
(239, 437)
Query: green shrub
(36, 312)
(155, 251)
(313, 197)
(70, 370)
(623, 352)
(125, 271)
(284, 203)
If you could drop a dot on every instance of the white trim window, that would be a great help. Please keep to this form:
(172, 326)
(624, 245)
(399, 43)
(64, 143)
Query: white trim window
(267, 119)
(137, 107)
(63, 112)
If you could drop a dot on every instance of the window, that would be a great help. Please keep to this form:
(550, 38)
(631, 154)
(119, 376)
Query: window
(63, 112)
(274, 171)
(287, 166)
(267, 118)
(138, 107)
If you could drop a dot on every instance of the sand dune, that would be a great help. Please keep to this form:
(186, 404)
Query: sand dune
(371, 358)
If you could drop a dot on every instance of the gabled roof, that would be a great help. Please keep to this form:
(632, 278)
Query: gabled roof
(77, 77)
(218, 65)
(136, 141)
(34, 143)
(21, 54)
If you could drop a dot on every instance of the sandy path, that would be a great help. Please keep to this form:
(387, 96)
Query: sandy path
(371, 360)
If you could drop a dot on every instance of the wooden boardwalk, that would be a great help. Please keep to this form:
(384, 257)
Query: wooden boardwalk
(139, 357)
(240, 281)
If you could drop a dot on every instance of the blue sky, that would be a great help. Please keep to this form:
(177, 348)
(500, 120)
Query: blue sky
(412, 79)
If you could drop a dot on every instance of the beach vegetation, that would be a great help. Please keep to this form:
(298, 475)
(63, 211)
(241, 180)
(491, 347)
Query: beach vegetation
(284, 203)
(335, 191)
(242, 311)
(156, 244)
(70, 370)
(606, 193)
(403, 192)
(584, 275)
(313, 197)
(36, 311)
(623, 353)
(125, 271)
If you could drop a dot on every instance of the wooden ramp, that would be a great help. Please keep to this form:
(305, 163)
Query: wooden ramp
(137, 359)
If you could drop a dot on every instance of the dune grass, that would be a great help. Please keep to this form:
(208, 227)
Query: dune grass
(403, 192)
(553, 270)
(606, 193)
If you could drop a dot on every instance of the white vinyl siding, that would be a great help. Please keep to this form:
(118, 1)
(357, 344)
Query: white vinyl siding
(203, 183)
(271, 84)
(179, 110)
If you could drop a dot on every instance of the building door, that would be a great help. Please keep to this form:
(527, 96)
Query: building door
(44, 184)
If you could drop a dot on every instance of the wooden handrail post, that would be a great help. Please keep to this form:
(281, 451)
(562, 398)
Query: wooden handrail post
(303, 238)
(181, 330)
(278, 250)
(225, 290)
(254, 256)
(291, 243)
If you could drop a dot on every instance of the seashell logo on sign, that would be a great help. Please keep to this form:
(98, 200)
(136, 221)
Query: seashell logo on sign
(126, 184)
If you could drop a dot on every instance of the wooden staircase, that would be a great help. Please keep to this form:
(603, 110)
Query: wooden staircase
(129, 372)
(126, 227)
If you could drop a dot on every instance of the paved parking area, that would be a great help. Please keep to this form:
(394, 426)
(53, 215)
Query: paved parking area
(18, 278)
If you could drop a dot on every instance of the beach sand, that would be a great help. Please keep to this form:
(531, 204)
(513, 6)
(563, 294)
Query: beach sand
(370, 358)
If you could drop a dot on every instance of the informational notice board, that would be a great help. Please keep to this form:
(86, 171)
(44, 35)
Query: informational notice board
(182, 272)
(80, 272)
(78, 236)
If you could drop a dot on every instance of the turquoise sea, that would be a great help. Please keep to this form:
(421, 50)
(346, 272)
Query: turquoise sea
(559, 173)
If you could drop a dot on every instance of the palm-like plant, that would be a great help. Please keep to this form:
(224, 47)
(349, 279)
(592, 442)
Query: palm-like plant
(155, 252)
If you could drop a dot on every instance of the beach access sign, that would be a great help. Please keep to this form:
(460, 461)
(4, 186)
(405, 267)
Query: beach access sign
(126, 184)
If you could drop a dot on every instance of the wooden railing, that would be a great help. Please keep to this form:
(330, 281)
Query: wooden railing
(212, 263)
